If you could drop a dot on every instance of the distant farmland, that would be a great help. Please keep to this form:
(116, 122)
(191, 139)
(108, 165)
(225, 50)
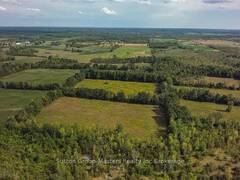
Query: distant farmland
(129, 88)
(40, 76)
(140, 121)
(124, 51)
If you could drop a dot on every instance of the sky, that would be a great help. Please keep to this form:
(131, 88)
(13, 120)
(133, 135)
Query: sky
(213, 14)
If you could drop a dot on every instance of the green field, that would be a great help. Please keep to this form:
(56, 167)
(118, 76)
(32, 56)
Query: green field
(203, 109)
(24, 59)
(125, 51)
(138, 120)
(13, 100)
(40, 76)
(129, 88)
(28, 59)
(234, 93)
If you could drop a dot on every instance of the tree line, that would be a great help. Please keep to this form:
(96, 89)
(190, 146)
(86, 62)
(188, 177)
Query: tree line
(138, 76)
(21, 51)
(132, 60)
(219, 85)
(101, 94)
(202, 95)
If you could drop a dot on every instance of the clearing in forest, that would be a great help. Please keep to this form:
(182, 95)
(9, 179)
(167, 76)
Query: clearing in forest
(141, 121)
(203, 109)
(129, 88)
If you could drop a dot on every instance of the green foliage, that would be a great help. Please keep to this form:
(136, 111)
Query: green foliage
(229, 106)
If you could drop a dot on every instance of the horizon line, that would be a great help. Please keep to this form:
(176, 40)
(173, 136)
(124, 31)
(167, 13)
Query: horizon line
(108, 27)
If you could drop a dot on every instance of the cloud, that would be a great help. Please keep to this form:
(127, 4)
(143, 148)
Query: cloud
(216, 1)
(80, 12)
(174, 1)
(108, 11)
(33, 9)
(117, 0)
(2, 8)
(148, 2)
(14, 2)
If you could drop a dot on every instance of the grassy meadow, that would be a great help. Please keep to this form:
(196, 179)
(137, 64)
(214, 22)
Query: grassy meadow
(216, 42)
(203, 109)
(129, 88)
(139, 121)
(40, 76)
(124, 51)
(24, 59)
(28, 59)
(13, 100)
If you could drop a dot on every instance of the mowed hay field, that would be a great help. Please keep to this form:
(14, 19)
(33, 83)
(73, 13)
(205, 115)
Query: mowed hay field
(203, 109)
(14, 100)
(124, 51)
(140, 121)
(129, 88)
(40, 76)
(62, 54)
(28, 59)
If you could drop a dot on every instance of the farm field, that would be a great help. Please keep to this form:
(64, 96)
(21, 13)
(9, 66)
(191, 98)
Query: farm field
(129, 88)
(40, 76)
(124, 51)
(13, 100)
(28, 59)
(195, 58)
(62, 54)
(140, 121)
(216, 42)
(234, 93)
(203, 109)
(24, 59)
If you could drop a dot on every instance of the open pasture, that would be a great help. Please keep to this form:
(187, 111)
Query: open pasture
(129, 88)
(62, 54)
(40, 76)
(27, 59)
(189, 56)
(123, 51)
(140, 121)
(203, 109)
(217, 42)
(13, 100)
(24, 60)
